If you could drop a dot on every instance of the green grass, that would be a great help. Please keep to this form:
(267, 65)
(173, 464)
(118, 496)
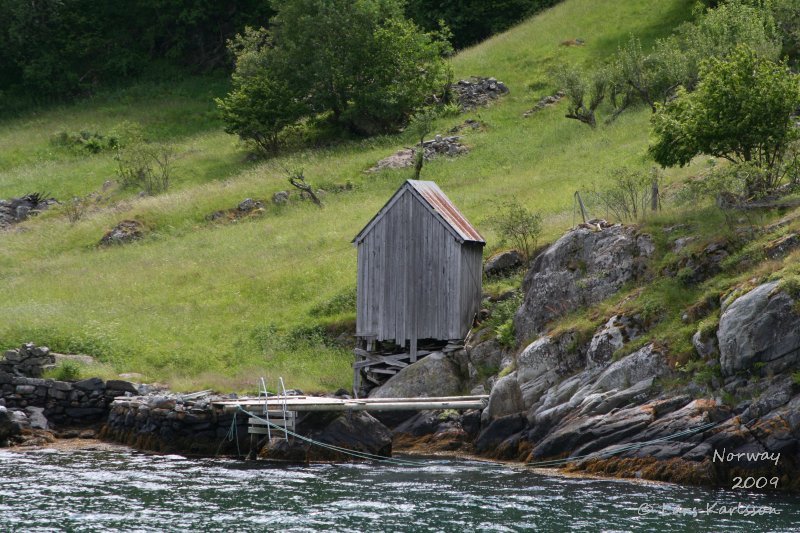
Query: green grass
(198, 304)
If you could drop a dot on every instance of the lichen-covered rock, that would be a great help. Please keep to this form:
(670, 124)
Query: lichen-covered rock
(760, 327)
(647, 362)
(610, 338)
(502, 262)
(124, 232)
(504, 399)
(433, 375)
(583, 267)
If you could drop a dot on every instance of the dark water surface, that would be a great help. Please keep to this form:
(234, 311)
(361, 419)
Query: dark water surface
(119, 490)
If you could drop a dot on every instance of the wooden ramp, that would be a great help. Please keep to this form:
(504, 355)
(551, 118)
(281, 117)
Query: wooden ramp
(281, 411)
(313, 403)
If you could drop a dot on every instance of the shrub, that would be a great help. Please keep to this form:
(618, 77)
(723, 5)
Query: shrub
(519, 225)
(506, 334)
(796, 377)
(741, 111)
(92, 142)
(629, 195)
(67, 371)
(147, 166)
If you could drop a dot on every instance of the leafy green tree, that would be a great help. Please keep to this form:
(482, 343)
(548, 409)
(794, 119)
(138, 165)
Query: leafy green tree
(367, 79)
(741, 111)
(363, 62)
(260, 104)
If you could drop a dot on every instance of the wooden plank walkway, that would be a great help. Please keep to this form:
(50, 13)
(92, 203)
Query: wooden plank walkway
(313, 403)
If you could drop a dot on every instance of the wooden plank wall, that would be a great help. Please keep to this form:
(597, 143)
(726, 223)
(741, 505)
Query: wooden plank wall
(414, 278)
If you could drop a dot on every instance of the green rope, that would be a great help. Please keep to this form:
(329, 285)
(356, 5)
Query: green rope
(353, 453)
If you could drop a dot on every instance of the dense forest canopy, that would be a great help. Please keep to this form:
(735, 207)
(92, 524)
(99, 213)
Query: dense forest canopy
(57, 49)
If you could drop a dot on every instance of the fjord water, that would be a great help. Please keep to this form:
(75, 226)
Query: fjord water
(121, 490)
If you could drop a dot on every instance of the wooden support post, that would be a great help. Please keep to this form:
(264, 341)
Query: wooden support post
(413, 348)
(654, 200)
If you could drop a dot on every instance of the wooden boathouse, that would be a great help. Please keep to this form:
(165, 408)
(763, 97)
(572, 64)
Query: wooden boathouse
(419, 282)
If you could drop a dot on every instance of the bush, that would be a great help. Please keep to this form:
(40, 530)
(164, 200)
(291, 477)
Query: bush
(147, 166)
(519, 225)
(367, 79)
(629, 195)
(506, 334)
(67, 371)
(741, 111)
(85, 141)
(636, 76)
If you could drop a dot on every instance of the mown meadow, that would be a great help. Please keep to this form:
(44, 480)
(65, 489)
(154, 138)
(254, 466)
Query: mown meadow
(202, 304)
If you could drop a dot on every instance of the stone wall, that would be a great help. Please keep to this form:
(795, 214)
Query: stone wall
(168, 424)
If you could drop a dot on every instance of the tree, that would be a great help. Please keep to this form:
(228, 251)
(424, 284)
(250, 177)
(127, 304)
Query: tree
(741, 111)
(585, 93)
(261, 104)
(421, 124)
(368, 77)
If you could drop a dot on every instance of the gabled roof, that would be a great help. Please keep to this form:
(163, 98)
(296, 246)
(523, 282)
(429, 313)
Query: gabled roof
(439, 205)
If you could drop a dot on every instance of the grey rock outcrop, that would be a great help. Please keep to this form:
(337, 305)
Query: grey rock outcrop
(762, 326)
(476, 91)
(642, 364)
(502, 262)
(19, 209)
(433, 375)
(582, 268)
(610, 338)
(124, 232)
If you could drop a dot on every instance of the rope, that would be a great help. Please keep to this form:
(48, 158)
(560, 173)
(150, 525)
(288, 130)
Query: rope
(629, 447)
(233, 433)
(360, 455)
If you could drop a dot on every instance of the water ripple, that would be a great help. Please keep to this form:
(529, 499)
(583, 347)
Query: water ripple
(49, 490)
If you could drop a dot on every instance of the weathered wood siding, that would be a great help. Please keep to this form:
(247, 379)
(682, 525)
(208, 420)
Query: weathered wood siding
(415, 279)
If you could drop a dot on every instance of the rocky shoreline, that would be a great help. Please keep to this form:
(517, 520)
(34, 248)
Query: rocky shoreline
(612, 402)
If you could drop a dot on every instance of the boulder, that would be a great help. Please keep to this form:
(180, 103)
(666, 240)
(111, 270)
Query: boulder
(645, 363)
(36, 418)
(704, 344)
(484, 359)
(357, 431)
(433, 375)
(121, 386)
(546, 354)
(124, 232)
(248, 204)
(502, 262)
(505, 399)
(760, 327)
(610, 338)
(91, 384)
(583, 267)
(280, 197)
(9, 426)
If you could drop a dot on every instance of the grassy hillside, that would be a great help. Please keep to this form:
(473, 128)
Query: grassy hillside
(202, 304)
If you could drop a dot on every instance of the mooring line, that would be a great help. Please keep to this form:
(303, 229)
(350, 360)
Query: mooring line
(360, 455)
(540, 464)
